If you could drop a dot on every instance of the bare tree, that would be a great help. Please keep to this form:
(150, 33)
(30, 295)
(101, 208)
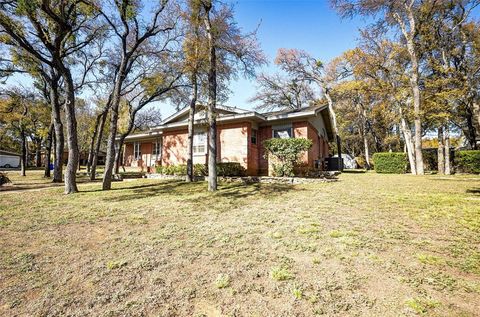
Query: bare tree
(276, 91)
(229, 52)
(133, 38)
(51, 33)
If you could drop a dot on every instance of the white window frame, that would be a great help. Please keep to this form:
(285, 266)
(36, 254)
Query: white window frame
(282, 129)
(197, 148)
(156, 149)
(137, 153)
(254, 131)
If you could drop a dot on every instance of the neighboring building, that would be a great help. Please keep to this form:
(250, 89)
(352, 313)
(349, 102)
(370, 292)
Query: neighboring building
(348, 161)
(102, 155)
(240, 134)
(83, 158)
(9, 159)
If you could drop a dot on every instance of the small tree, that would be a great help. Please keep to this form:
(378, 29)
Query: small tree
(286, 153)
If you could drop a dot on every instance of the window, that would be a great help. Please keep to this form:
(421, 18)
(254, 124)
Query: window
(137, 155)
(282, 133)
(157, 149)
(253, 137)
(199, 143)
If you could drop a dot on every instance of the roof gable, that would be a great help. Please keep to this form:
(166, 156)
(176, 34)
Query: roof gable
(200, 113)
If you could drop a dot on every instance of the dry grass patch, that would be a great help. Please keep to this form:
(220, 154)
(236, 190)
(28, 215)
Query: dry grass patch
(368, 245)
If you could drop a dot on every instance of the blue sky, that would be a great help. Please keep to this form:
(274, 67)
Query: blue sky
(309, 25)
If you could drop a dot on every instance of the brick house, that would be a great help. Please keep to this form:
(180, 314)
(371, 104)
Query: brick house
(240, 134)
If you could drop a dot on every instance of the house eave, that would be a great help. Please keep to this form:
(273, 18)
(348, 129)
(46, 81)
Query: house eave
(234, 117)
(140, 136)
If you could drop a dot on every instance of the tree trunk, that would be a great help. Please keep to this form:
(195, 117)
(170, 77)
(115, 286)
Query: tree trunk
(363, 116)
(38, 152)
(417, 120)
(333, 118)
(212, 99)
(91, 148)
(118, 153)
(414, 78)
(191, 119)
(23, 158)
(367, 152)
(72, 138)
(59, 137)
(441, 151)
(48, 151)
(98, 143)
(470, 133)
(476, 108)
(407, 135)
(446, 142)
(110, 160)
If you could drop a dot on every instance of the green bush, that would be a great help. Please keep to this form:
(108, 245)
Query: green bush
(230, 169)
(394, 162)
(4, 179)
(172, 169)
(468, 161)
(430, 159)
(223, 169)
(286, 153)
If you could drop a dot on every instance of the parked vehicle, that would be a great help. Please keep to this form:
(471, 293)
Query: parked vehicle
(9, 161)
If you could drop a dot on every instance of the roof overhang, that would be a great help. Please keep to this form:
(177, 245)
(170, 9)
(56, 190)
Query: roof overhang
(227, 118)
(141, 136)
(254, 116)
(295, 115)
(185, 111)
(327, 119)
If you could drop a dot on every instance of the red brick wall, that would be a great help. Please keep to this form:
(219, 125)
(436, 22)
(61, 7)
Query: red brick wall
(305, 129)
(300, 130)
(253, 149)
(128, 155)
(314, 152)
(264, 133)
(146, 149)
(174, 149)
(232, 143)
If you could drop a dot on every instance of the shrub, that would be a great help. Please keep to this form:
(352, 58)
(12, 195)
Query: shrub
(430, 159)
(468, 161)
(4, 179)
(394, 162)
(286, 153)
(223, 169)
(230, 169)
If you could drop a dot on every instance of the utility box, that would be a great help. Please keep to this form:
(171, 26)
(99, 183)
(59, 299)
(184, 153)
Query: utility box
(334, 164)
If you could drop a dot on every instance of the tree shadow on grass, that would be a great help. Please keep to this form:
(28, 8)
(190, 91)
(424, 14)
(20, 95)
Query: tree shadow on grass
(191, 191)
(354, 171)
(239, 190)
(475, 191)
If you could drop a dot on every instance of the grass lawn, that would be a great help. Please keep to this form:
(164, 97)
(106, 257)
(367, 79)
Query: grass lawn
(367, 245)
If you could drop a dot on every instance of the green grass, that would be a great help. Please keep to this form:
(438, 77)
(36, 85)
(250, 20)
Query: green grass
(368, 244)
(280, 273)
(222, 281)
